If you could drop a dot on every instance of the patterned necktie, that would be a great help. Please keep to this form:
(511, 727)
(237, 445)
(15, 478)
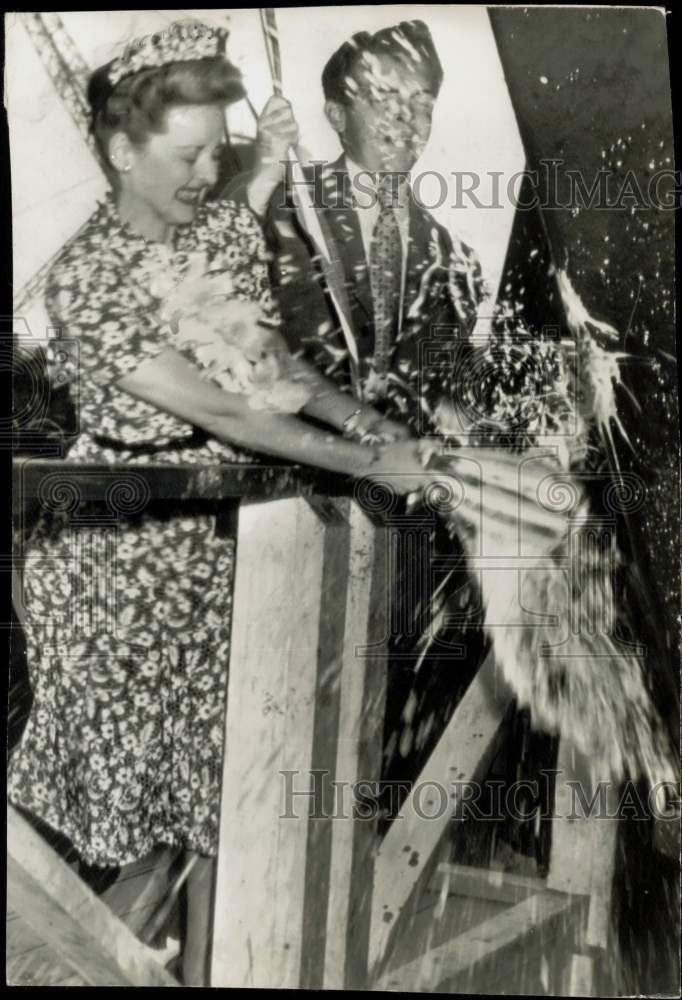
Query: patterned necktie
(385, 274)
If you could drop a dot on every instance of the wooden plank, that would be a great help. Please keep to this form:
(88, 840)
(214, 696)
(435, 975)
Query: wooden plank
(533, 965)
(358, 755)
(604, 842)
(146, 889)
(484, 883)
(441, 921)
(68, 916)
(138, 918)
(71, 981)
(260, 884)
(581, 976)
(327, 707)
(570, 869)
(583, 859)
(159, 857)
(407, 847)
(133, 898)
(38, 967)
(30, 962)
(19, 937)
(476, 944)
(584, 840)
(31, 475)
(530, 966)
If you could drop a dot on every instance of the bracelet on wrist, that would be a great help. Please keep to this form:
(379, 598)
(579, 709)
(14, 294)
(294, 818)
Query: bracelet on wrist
(350, 423)
(356, 428)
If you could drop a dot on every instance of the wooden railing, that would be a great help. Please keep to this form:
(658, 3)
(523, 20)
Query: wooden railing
(307, 895)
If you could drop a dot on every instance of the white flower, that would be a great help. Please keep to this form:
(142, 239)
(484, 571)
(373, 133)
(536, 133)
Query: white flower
(98, 762)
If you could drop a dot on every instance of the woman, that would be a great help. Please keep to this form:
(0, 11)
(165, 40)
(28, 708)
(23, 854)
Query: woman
(123, 748)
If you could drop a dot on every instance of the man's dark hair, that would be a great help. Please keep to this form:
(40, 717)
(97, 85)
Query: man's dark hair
(410, 42)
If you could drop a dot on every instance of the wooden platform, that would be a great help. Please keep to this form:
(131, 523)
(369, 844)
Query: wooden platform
(319, 900)
(133, 897)
(467, 929)
(474, 930)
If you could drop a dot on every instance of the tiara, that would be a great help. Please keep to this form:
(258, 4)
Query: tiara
(180, 42)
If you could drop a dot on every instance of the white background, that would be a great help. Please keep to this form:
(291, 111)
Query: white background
(56, 182)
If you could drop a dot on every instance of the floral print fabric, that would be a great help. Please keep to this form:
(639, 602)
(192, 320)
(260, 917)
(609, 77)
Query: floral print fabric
(107, 294)
(128, 618)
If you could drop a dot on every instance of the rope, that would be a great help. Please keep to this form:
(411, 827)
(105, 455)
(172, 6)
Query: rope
(313, 221)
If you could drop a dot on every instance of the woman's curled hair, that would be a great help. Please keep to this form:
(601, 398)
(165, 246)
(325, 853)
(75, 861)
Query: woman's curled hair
(137, 105)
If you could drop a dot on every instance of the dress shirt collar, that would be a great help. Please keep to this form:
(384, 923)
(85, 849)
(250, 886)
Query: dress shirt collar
(363, 184)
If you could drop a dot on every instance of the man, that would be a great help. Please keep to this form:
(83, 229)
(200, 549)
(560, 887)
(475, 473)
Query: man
(412, 291)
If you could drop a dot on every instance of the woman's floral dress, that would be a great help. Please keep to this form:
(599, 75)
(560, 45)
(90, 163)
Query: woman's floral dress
(128, 616)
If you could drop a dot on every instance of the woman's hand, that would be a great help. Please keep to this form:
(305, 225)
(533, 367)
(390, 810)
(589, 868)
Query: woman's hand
(172, 383)
(277, 132)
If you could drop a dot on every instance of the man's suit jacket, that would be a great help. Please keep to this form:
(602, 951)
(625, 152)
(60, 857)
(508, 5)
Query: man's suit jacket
(443, 287)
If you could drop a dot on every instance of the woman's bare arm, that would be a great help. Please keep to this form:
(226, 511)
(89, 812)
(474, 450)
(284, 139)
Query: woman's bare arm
(330, 405)
(171, 383)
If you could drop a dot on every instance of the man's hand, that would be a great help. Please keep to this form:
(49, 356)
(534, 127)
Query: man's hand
(277, 131)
